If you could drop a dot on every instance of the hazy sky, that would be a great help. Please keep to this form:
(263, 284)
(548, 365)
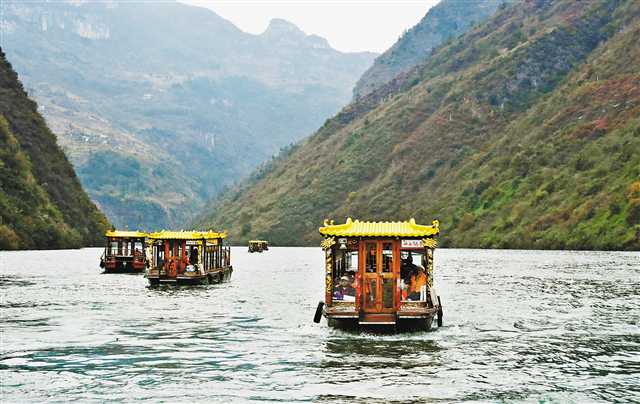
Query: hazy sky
(348, 25)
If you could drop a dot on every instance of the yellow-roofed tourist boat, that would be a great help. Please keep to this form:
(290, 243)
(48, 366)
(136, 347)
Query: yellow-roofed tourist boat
(124, 252)
(189, 258)
(258, 246)
(379, 275)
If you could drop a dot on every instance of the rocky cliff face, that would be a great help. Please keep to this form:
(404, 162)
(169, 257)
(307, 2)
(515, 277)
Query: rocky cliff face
(160, 106)
(444, 21)
(42, 204)
(522, 133)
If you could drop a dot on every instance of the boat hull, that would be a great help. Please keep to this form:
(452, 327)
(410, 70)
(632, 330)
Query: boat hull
(400, 325)
(123, 267)
(412, 318)
(212, 277)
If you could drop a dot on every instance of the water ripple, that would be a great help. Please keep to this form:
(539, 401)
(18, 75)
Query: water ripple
(520, 326)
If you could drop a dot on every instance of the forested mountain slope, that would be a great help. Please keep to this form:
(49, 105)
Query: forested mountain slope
(523, 133)
(447, 19)
(42, 204)
(159, 105)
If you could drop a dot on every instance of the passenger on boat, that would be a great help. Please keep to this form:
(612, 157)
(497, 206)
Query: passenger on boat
(194, 256)
(418, 282)
(352, 278)
(344, 290)
(172, 266)
(407, 268)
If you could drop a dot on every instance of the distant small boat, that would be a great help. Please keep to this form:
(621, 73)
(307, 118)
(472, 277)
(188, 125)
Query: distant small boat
(124, 252)
(379, 275)
(258, 246)
(189, 258)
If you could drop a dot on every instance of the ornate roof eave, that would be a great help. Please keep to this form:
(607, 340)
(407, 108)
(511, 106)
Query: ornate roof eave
(356, 228)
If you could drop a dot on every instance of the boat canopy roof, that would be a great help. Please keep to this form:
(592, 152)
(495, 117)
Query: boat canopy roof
(356, 228)
(258, 241)
(187, 235)
(125, 234)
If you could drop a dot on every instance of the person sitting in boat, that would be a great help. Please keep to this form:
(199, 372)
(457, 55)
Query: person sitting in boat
(172, 266)
(407, 268)
(137, 253)
(344, 290)
(418, 282)
(193, 259)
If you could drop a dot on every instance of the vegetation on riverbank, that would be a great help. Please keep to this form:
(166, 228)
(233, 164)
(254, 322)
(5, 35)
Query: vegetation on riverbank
(522, 133)
(42, 204)
(445, 20)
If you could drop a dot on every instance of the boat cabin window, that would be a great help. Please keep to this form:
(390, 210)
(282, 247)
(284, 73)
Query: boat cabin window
(344, 274)
(371, 292)
(387, 257)
(138, 246)
(158, 255)
(370, 263)
(388, 284)
(114, 248)
(193, 254)
(346, 261)
(413, 282)
(212, 257)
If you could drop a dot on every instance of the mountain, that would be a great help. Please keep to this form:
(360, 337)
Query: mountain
(522, 133)
(160, 105)
(42, 204)
(445, 20)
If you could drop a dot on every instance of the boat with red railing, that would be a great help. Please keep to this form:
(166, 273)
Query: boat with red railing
(124, 252)
(189, 258)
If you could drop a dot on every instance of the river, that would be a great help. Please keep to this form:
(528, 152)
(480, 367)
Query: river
(519, 326)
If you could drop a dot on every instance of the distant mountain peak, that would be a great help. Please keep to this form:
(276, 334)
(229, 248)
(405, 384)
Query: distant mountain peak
(281, 27)
(318, 41)
(283, 31)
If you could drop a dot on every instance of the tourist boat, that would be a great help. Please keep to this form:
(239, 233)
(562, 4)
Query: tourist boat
(379, 275)
(189, 258)
(124, 252)
(258, 246)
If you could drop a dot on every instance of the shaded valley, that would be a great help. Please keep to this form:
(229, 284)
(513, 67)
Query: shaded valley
(160, 106)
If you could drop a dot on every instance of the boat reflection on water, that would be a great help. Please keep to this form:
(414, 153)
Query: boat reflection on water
(521, 326)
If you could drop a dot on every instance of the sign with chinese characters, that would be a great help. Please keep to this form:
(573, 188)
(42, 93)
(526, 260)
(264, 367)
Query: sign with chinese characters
(411, 244)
